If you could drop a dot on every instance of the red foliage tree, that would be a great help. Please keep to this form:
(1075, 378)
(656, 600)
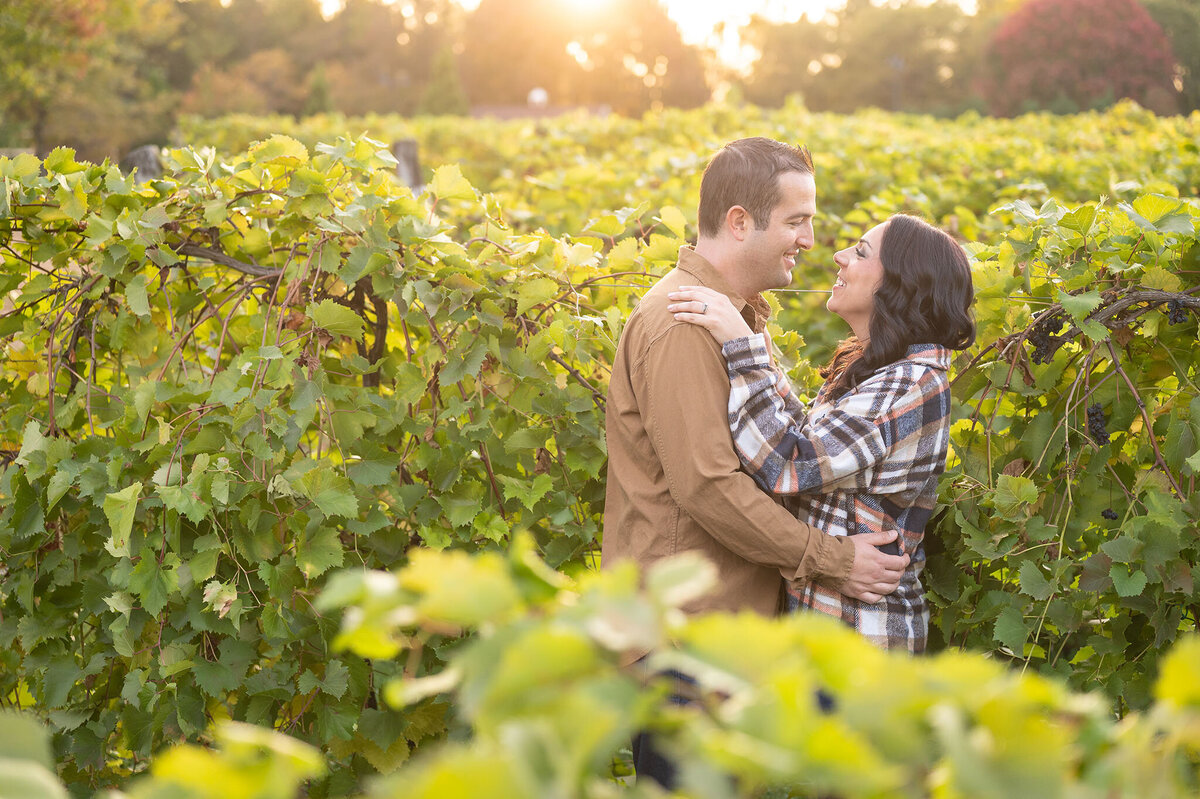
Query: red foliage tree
(1078, 54)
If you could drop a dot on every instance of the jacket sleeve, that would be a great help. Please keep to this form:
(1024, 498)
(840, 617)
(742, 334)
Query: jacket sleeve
(870, 441)
(682, 377)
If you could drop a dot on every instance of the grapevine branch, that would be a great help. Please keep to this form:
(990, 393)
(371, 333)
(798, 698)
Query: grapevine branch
(483, 453)
(218, 257)
(597, 396)
(1152, 297)
(1158, 457)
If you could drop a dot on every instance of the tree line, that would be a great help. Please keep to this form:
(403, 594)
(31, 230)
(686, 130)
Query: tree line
(103, 76)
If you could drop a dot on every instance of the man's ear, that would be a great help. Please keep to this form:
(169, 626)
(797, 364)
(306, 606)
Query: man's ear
(738, 222)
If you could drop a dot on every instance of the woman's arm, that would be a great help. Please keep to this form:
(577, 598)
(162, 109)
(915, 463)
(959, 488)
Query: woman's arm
(886, 438)
(714, 312)
(890, 436)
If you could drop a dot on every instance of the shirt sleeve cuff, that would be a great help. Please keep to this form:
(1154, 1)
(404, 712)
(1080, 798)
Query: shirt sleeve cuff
(832, 559)
(746, 353)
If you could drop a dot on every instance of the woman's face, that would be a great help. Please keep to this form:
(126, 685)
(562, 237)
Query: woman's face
(859, 273)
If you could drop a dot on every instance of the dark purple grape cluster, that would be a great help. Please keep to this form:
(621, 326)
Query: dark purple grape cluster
(1177, 314)
(1110, 514)
(1044, 342)
(1095, 424)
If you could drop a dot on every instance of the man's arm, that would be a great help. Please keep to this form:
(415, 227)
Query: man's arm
(682, 381)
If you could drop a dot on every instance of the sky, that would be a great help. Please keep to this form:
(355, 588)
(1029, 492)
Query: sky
(700, 21)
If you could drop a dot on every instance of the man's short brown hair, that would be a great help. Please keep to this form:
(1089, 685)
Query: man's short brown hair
(746, 172)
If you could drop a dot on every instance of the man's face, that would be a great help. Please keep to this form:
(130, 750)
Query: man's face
(770, 253)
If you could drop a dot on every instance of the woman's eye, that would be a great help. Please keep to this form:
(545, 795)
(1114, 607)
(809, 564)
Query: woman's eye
(860, 253)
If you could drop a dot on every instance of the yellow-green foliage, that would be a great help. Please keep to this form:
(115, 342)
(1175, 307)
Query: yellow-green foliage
(542, 704)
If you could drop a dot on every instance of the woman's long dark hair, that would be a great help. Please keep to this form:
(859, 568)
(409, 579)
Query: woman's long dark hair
(924, 298)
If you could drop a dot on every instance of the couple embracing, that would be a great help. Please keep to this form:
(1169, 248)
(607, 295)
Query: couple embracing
(860, 463)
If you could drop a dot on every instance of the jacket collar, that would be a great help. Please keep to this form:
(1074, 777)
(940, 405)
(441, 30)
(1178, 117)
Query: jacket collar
(754, 309)
(933, 355)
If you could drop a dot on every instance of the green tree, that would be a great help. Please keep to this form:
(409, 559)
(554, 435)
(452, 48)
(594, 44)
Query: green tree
(637, 60)
(444, 93)
(501, 64)
(379, 56)
(47, 46)
(265, 82)
(900, 57)
(319, 99)
(789, 57)
(1180, 19)
(85, 74)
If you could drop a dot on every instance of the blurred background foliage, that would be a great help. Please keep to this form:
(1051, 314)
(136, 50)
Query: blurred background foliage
(104, 76)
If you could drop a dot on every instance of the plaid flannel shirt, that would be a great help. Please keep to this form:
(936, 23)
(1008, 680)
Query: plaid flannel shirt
(867, 461)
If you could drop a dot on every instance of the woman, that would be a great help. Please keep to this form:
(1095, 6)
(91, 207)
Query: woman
(866, 456)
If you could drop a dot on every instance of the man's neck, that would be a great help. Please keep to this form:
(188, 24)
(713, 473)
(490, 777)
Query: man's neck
(724, 261)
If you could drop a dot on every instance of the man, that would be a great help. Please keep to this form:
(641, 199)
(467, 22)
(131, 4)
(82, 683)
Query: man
(674, 482)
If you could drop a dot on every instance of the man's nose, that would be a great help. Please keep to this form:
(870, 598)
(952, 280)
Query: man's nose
(805, 239)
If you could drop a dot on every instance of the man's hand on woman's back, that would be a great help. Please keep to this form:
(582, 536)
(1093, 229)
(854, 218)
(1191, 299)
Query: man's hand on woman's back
(874, 574)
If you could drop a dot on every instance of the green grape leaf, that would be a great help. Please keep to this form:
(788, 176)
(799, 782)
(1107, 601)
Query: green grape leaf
(330, 492)
(214, 678)
(135, 295)
(607, 225)
(24, 738)
(1154, 208)
(153, 583)
(527, 490)
(1011, 629)
(1079, 219)
(320, 552)
(203, 565)
(279, 148)
(1122, 549)
(535, 292)
(437, 577)
(21, 779)
(1094, 330)
(32, 443)
(335, 682)
(337, 319)
(184, 499)
(1155, 277)
(371, 473)
(460, 511)
(121, 507)
(464, 360)
(60, 678)
(1033, 582)
(674, 220)
(1079, 305)
(1127, 583)
(1014, 494)
(449, 184)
